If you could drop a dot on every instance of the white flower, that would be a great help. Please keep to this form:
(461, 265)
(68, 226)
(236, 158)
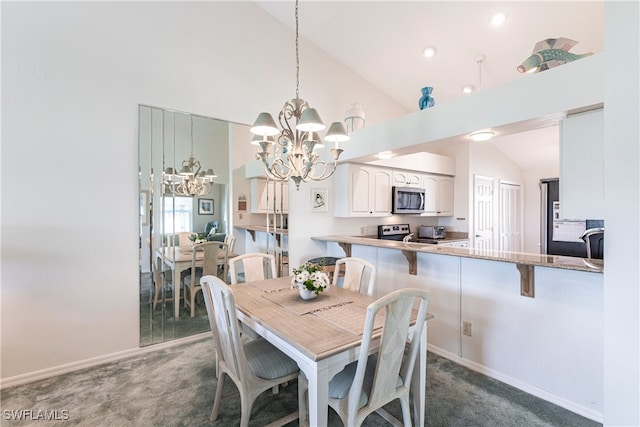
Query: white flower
(303, 276)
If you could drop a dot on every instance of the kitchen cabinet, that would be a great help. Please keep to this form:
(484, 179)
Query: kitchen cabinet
(361, 190)
(582, 166)
(402, 178)
(265, 193)
(438, 195)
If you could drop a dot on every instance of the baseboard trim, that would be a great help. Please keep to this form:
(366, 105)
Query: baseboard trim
(95, 361)
(549, 397)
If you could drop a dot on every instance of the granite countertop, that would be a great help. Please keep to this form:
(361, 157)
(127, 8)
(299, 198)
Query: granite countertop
(540, 260)
(262, 228)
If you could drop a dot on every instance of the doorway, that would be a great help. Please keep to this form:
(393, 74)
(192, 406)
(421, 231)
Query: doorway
(510, 217)
(483, 212)
(498, 216)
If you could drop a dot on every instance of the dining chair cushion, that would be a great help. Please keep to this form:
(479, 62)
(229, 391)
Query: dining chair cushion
(266, 361)
(340, 384)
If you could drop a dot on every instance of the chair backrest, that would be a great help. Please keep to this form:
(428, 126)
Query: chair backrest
(359, 275)
(210, 260)
(230, 240)
(221, 310)
(255, 266)
(398, 307)
(179, 239)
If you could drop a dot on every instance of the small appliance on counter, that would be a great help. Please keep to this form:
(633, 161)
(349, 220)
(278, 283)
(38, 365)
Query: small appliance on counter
(431, 232)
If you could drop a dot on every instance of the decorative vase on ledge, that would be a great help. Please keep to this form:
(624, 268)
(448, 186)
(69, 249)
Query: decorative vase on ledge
(426, 101)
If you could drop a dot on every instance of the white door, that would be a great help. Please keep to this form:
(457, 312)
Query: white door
(483, 212)
(510, 218)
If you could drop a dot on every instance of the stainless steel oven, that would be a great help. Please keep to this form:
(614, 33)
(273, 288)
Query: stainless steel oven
(407, 200)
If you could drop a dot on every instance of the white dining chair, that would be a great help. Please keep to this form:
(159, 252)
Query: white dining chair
(252, 267)
(210, 262)
(367, 385)
(162, 281)
(254, 366)
(359, 275)
(230, 240)
(179, 239)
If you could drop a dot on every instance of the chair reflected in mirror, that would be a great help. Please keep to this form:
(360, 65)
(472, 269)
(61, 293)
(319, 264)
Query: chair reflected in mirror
(209, 266)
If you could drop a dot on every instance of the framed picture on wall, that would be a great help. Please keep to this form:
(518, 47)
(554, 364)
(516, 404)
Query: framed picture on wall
(205, 206)
(319, 200)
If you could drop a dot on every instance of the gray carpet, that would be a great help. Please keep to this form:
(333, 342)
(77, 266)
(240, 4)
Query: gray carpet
(175, 387)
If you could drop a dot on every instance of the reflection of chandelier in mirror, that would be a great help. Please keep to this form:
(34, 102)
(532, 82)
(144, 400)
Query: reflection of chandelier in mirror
(294, 150)
(189, 181)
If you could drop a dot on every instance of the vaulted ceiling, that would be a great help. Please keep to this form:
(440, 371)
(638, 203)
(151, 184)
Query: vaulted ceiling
(383, 41)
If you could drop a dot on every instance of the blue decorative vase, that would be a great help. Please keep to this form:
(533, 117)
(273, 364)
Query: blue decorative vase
(426, 100)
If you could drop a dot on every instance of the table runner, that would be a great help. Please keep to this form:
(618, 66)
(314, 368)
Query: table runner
(291, 300)
(350, 318)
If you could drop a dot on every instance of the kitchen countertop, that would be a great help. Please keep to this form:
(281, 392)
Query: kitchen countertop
(519, 258)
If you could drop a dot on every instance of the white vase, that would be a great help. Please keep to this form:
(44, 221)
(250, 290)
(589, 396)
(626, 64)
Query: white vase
(306, 293)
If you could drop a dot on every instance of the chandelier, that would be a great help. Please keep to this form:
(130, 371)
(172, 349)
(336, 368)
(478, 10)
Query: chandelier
(290, 152)
(190, 181)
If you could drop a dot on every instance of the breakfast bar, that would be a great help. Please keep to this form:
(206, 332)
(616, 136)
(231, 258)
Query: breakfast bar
(530, 320)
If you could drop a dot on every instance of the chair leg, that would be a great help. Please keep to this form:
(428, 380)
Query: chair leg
(406, 412)
(303, 386)
(245, 409)
(193, 302)
(218, 398)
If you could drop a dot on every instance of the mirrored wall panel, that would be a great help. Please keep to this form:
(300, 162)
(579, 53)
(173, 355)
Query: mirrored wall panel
(185, 186)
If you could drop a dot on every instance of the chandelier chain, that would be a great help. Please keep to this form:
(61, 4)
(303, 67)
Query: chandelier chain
(297, 56)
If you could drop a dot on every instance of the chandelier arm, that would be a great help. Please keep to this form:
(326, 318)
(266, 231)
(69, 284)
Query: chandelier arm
(327, 170)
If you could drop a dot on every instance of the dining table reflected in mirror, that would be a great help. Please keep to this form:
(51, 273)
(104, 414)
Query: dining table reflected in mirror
(185, 187)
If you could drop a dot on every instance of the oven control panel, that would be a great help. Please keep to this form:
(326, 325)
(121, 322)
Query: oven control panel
(393, 230)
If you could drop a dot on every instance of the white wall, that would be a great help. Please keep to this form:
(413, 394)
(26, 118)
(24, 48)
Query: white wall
(73, 75)
(622, 211)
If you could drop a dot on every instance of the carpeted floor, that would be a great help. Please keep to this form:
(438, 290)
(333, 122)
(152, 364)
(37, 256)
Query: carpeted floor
(175, 387)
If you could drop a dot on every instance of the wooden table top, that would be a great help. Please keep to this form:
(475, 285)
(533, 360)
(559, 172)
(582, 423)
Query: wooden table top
(319, 328)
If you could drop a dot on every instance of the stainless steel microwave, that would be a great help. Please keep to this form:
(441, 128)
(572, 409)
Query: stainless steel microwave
(407, 200)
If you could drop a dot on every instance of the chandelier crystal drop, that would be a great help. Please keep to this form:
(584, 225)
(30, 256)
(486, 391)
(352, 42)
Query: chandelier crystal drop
(190, 180)
(290, 151)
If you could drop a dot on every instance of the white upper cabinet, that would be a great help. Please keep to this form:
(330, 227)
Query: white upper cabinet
(581, 166)
(402, 178)
(438, 195)
(269, 196)
(361, 190)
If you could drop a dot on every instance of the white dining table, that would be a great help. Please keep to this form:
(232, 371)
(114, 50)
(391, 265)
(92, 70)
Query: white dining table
(322, 335)
(178, 259)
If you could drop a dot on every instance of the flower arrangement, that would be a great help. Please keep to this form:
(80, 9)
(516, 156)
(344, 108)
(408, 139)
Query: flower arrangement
(198, 238)
(310, 277)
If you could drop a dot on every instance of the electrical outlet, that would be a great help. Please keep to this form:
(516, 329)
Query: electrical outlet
(466, 328)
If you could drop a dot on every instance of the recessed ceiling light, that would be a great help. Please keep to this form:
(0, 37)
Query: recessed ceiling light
(429, 51)
(498, 19)
(385, 155)
(481, 136)
(468, 88)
